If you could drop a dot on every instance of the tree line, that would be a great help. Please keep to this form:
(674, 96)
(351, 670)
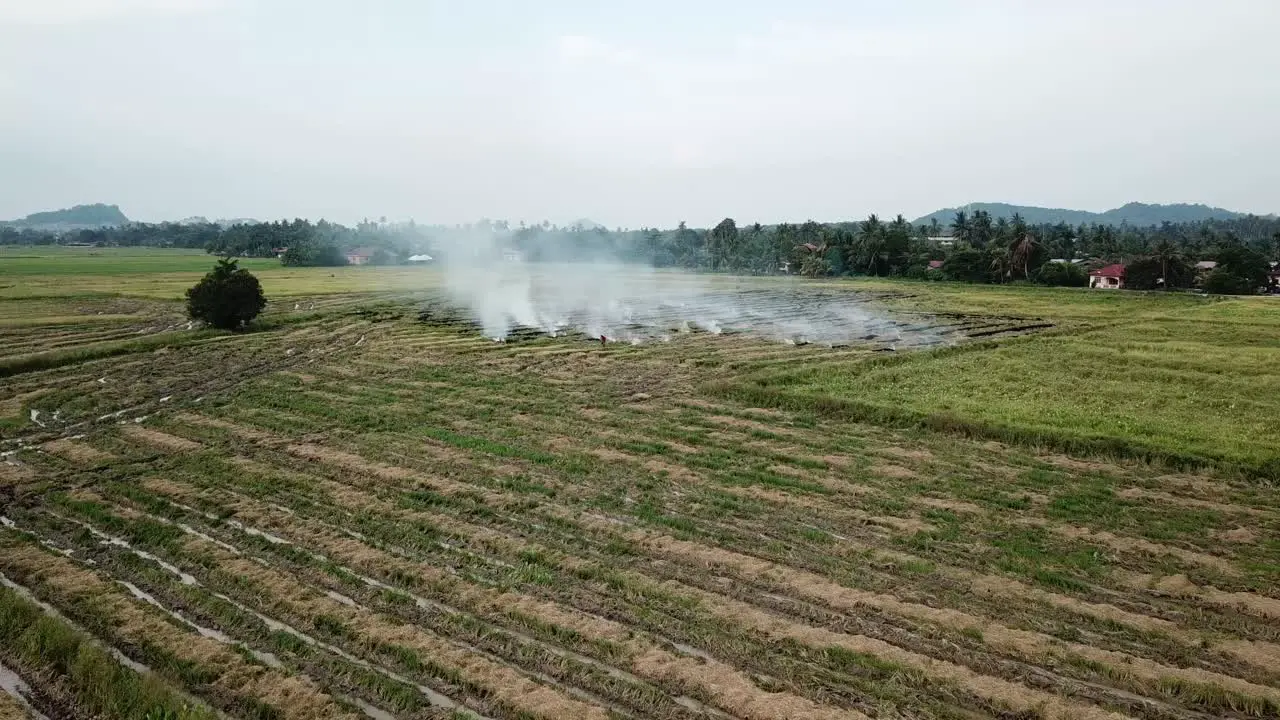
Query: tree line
(974, 247)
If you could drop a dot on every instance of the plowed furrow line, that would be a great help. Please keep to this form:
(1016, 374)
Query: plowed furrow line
(987, 585)
(105, 607)
(1031, 646)
(220, 618)
(288, 597)
(502, 602)
(639, 619)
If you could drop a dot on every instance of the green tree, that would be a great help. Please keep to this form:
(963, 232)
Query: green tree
(871, 247)
(1225, 282)
(966, 264)
(723, 242)
(815, 264)
(1143, 273)
(1061, 274)
(1171, 264)
(228, 297)
(897, 245)
(960, 229)
(1026, 254)
(1249, 267)
(321, 253)
(981, 231)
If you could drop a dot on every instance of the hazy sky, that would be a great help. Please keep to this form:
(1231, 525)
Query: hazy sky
(634, 113)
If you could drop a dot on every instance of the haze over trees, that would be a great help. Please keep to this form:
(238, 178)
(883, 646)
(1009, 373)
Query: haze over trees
(972, 246)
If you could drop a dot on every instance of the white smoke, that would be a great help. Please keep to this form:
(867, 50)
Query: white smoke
(596, 294)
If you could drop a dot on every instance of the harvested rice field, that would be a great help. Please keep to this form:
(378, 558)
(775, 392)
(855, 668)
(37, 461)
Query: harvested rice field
(367, 509)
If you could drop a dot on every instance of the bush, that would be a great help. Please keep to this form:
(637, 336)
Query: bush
(227, 298)
(917, 271)
(1225, 282)
(1061, 275)
(967, 265)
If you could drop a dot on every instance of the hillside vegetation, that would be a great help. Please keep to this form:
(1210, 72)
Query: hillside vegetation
(80, 216)
(1134, 213)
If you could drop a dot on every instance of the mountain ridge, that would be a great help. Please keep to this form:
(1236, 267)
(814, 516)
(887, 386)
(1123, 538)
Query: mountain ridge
(76, 217)
(1133, 213)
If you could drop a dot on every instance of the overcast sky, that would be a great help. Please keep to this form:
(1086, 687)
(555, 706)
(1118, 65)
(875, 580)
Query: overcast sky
(634, 113)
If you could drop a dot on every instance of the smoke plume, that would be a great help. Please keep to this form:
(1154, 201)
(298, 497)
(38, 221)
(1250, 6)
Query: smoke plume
(590, 291)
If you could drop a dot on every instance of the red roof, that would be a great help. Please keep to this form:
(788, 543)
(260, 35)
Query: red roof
(935, 264)
(1115, 271)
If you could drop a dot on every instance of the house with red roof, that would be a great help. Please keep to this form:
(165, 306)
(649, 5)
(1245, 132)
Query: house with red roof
(1110, 277)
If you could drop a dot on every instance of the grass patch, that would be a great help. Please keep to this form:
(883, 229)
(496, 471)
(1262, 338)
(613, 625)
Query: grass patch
(87, 673)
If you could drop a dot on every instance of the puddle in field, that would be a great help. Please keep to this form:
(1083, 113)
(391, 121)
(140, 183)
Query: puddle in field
(14, 685)
(6, 522)
(207, 538)
(371, 711)
(339, 597)
(273, 539)
(146, 597)
(184, 578)
(690, 650)
(700, 707)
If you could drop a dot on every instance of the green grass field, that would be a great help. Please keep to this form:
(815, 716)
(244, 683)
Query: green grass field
(1179, 386)
(350, 512)
(162, 274)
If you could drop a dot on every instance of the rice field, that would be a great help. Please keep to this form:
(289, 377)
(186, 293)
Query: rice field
(362, 510)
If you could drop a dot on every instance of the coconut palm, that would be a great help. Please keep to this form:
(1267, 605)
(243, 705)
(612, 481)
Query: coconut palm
(1022, 252)
(1166, 254)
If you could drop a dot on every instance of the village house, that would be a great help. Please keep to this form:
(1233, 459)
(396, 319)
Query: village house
(359, 256)
(1110, 277)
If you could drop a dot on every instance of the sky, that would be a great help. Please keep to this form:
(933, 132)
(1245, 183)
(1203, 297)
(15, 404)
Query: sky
(634, 113)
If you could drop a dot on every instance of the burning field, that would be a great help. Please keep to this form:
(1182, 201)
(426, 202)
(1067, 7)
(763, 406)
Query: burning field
(794, 315)
(370, 509)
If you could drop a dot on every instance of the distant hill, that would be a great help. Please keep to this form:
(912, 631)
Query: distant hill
(80, 216)
(1140, 214)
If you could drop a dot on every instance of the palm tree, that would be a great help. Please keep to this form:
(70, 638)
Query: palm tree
(1166, 253)
(980, 231)
(1022, 252)
(960, 227)
(871, 239)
